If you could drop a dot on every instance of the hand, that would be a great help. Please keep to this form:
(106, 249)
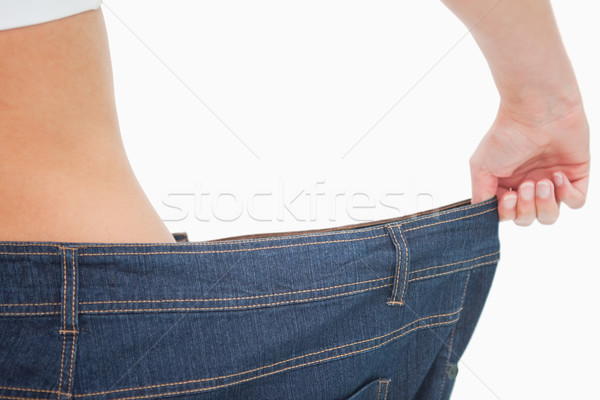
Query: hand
(533, 159)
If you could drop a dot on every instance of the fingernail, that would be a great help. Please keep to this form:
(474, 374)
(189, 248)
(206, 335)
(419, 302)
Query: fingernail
(558, 179)
(526, 190)
(510, 201)
(543, 189)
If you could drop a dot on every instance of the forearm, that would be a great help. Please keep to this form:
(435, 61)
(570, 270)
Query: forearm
(522, 45)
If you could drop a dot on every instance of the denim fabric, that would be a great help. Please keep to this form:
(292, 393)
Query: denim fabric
(382, 310)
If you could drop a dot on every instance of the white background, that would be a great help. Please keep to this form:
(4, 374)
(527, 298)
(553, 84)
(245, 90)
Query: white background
(300, 83)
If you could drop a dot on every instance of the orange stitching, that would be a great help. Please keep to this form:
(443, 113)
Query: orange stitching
(73, 322)
(62, 359)
(399, 251)
(71, 366)
(235, 298)
(28, 304)
(11, 253)
(28, 390)
(234, 250)
(278, 371)
(64, 304)
(31, 313)
(235, 307)
(274, 364)
(22, 398)
(379, 390)
(454, 263)
(68, 331)
(387, 383)
(451, 220)
(456, 270)
(406, 263)
(73, 300)
(25, 244)
(455, 210)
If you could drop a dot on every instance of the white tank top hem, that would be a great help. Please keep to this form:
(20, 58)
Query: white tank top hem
(19, 13)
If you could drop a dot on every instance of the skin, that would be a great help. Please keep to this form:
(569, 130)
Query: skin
(65, 175)
(64, 172)
(538, 145)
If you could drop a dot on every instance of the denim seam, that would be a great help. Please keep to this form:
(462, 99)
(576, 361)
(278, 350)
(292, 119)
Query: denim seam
(193, 300)
(29, 390)
(484, 203)
(30, 313)
(64, 316)
(451, 345)
(292, 359)
(387, 382)
(261, 367)
(258, 296)
(387, 385)
(445, 375)
(234, 307)
(491, 262)
(287, 368)
(20, 254)
(451, 220)
(398, 252)
(406, 264)
(403, 263)
(249, 297)
(264, 366)
(235, 298)
(74, 331)
(28, 304)
(455, 263)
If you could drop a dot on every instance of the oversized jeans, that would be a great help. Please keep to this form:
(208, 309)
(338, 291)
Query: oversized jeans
(379, 310)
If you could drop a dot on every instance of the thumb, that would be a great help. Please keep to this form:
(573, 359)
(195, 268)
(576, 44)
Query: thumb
(483, 185)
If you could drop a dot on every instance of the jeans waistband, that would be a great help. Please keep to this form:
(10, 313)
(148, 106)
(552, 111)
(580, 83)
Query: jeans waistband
(246, 272)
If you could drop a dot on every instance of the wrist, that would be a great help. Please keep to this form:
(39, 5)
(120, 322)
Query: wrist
(536, 103)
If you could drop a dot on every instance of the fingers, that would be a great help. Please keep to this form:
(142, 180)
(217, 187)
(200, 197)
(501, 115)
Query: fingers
(526, 204)
(566, 192)
(532, 200)
(507, 207)
(545, 202)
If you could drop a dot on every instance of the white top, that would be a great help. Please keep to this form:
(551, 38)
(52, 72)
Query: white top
(18, 13)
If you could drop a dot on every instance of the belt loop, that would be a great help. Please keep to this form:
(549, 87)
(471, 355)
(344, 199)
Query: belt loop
(402, 264)
(68, 315)
(69, 324)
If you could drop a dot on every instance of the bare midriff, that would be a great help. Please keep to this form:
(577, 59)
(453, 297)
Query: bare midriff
(64, 173)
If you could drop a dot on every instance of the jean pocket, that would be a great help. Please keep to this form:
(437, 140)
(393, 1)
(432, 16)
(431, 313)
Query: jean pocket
(374, 390)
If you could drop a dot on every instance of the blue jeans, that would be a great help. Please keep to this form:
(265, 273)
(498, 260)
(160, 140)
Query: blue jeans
(381, 310)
